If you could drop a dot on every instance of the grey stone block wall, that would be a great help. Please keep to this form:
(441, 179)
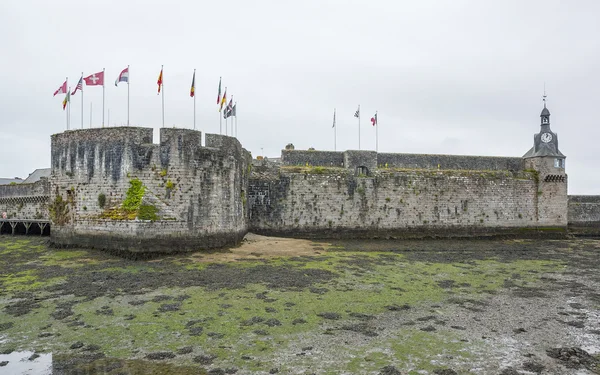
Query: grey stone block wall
(199, 191)
(453, 162)
(314, 158)
(584, 211)
(25, 201)
(404, 203)
(360, 159)
(551, 198)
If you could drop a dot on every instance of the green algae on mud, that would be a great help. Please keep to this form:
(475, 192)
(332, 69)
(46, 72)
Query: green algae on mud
(252, 314)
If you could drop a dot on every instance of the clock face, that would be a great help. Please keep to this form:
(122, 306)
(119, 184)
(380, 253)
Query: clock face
(546, 137)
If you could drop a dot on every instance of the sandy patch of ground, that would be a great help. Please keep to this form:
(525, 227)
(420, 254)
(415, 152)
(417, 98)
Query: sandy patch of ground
(255, 246)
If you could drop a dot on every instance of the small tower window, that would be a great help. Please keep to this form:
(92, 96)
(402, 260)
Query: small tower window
(559, 163)
(545, 120)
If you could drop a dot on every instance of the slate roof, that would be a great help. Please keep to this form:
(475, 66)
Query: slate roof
(37, 174)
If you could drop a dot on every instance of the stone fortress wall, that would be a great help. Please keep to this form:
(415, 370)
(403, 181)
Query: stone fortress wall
(25, 201)
(112, 188)
(192, 197)
(584, 214)
(362, 193)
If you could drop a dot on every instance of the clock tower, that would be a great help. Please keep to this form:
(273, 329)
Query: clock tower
(549, 163)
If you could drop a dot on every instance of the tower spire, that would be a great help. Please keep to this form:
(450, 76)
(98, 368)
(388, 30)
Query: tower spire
(544, 97)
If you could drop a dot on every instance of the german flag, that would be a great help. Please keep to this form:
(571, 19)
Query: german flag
(193, 88)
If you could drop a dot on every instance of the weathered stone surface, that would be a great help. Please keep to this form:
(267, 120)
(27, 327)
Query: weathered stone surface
(198, 192)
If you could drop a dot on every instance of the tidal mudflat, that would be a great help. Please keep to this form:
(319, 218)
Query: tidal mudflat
(286, 306)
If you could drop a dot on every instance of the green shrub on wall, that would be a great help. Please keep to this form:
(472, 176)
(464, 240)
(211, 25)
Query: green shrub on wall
(134, 196)
(59, 211)
(147, 212)
(101, 200)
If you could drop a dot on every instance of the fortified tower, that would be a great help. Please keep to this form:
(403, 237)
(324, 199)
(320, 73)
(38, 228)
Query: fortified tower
(545, 158)
(112, 188)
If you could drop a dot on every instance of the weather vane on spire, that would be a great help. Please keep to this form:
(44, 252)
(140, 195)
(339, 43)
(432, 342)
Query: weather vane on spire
(544, 97)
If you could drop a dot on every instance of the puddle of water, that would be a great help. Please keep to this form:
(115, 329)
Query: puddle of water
(19, 364)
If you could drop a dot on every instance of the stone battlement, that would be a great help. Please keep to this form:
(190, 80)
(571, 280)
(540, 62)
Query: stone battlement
(370, 159)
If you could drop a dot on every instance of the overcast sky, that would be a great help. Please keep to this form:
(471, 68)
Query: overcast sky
(449, 77)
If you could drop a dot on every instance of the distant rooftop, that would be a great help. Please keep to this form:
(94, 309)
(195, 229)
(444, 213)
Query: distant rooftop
(37, 174)
(8, 181)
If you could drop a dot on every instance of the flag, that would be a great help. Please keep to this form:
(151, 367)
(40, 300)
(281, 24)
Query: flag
(374, 119)
(223, 99)
(333, 118)
(79, 86)
(96, 79)
(159, 82)
(123, 77)
(193, 89)
(219, 94)
(229, 109)
(66, 100)
(234, 110)
(62, 89)
(357, 113)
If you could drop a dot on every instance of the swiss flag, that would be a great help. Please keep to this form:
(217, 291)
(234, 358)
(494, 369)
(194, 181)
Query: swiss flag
(96, 79)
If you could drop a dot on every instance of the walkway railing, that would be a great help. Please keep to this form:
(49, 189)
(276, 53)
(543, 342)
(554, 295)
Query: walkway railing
(27, 223)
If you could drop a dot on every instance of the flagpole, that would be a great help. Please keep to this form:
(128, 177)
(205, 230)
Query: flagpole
(103, 96)
(376, 132)
(67, 112)
(162, 83)
(334, 133)
(359, 127)
(235, 105)
(69, 106)
(128, 79)
(194, 86)
(81, 100)
(90, 115)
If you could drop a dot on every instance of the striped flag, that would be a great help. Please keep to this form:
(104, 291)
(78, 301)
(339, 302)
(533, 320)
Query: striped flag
(79, 86)
(160, 80)
(193, 88)
(66, 100)
(223, 99)
(357, 113)
(333, 118)
(219, 94)
(123, 77)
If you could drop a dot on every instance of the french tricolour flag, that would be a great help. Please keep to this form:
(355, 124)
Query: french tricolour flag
(123, 77)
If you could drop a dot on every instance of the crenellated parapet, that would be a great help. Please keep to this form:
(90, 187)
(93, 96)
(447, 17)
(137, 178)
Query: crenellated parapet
(113, 188)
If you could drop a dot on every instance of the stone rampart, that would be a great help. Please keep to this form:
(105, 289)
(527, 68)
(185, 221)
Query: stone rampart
(584, 214)
(25, 201)
(452, 162)
(335, 202)
(193, 196)
(316, 158)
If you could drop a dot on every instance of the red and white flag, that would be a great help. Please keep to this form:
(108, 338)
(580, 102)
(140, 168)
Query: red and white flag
(96, 79)
(79, 86)
(62, 89)
(374, 119)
